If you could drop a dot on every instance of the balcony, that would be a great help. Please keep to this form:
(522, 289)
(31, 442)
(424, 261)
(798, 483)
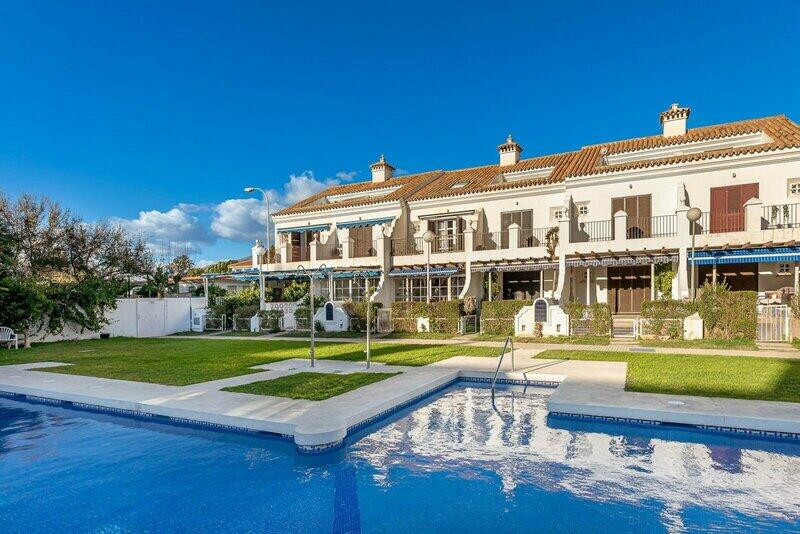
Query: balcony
(329, 251)
(720, 222)
(527, 237)
(448, 243)
(299, 253)
(365, 248)
(780, 216)
(588, 232)
(658, 226)
(491, 240)
(409, 246)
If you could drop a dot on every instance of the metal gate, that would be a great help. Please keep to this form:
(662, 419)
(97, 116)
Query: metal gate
(384, 321)
(773, 322)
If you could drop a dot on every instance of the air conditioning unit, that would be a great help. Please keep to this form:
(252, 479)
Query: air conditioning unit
(199, 320)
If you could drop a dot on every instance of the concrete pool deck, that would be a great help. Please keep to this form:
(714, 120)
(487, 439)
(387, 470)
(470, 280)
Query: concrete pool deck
(585, 389)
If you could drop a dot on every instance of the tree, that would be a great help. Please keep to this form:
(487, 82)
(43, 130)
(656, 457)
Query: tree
(159, 283)
(59, 270)
(180, 267)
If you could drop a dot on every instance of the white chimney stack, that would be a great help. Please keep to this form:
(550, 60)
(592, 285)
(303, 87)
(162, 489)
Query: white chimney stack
(674, 120)
(381, 170)
(509, 152)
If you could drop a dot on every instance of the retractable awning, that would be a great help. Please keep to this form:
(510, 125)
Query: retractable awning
(365, 222)
(435, 271)
(252, 274)
(356, 274)
(622, 261)
(753, 255)
(513, 267)
(312, 228)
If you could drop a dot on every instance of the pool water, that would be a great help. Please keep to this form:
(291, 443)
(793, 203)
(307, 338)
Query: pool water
(450, 464)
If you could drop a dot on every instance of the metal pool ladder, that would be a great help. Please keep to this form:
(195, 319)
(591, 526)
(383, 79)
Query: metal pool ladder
(510, 340)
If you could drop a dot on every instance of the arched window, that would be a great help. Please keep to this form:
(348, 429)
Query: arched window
(540, 311)
(329, 311)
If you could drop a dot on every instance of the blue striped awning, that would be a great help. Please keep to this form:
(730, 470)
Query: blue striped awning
(752, 255)
(435, 271)
(252, 275)
(356, 274)
(313, 228)
(365, 222)
(622, 261)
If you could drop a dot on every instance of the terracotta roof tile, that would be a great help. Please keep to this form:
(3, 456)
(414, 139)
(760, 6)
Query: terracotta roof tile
(783, 133)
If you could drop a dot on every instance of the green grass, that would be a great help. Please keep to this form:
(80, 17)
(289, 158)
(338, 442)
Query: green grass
(243, 333)
(188, 361)
(740, 377)
(419, 335)
(311, 386)
(730, 344)
(307, 334)
(554, 340)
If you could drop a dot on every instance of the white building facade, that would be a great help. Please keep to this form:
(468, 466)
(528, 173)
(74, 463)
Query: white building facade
(593, 225)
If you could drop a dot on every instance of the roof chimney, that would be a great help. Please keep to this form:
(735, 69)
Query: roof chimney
(509, 152)
(381, 170)
(674, 120)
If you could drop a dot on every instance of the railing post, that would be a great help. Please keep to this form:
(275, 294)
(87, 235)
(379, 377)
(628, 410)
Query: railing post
(347, 249)
(313, 250)
(469, 239)
(752, 215)
(620, 226)
(513, 236)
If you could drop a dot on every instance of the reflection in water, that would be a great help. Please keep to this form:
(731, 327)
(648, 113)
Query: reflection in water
(462, 435)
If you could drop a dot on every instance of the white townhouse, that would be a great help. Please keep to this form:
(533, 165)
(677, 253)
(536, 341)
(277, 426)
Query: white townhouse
(590, 225)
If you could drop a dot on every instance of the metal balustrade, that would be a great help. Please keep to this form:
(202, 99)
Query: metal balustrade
(363, 248)
(658, 226)
(780, 216)
(491, 240)
(720, 222)
(407, 246)
(593, 231)
(448, 243)
(329, 251)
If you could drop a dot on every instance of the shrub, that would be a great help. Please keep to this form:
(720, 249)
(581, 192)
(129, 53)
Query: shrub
(271, 320)
(301, 318)
(232, 301)
(445, 315)
(663, 280)
(594, 320)
(295, 291)
(357, 313)
(497, 316)
(318, 326)
(728, 314)
(404, 315)
(665, 317)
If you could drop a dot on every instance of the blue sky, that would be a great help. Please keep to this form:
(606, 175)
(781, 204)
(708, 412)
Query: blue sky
(157, 114)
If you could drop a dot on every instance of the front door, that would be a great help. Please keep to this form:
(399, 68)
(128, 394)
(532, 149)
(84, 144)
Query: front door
(628, 287)
(639, 212)
(727, 207)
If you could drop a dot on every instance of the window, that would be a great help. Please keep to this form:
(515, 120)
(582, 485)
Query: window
(401, 289)
(439, 288)
(556, 214)
(540, 311)
(583, 209)
(794, 187)
(524, 219)
(359, 286)
(341, 289)
(784, 268)
(456, 286)
(329, 312)
(458, 185)
(419, 291)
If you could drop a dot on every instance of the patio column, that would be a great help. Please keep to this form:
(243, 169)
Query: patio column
(653, 281)
(752, 215)
(588, 285)
(541, 283)
(796, 277)
(713, 275)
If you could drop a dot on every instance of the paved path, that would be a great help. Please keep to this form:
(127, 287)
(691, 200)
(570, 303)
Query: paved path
(467, 342)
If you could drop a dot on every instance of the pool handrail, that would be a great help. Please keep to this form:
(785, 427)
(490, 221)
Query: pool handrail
(509, 339)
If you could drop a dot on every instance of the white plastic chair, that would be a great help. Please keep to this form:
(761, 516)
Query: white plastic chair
(8, 337)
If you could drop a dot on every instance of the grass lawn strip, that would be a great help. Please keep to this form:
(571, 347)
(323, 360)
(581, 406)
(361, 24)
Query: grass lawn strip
(740, 377)
(347, 334)
(311, 386)
(728, 344)
(180, 362)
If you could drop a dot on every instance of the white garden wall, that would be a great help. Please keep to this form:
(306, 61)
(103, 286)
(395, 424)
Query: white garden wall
(140, 318)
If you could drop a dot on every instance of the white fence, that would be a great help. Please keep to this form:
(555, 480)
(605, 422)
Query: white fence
(140, 318)
(773, 322)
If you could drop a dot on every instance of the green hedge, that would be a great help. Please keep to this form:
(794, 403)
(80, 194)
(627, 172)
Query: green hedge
(497, 316)
(728, 314)
(404, 315)
(445, 315)
(357, 313)
(302, 318)
(596, 318)
(665, 317)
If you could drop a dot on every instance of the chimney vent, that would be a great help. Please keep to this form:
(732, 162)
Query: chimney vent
(674, 120)
(381, 170)
(509, 152)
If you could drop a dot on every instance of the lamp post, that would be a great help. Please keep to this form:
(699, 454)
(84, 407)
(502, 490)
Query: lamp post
(428, 237)
(259, 250)
(311, 273)
(693, 215)
(266, 225)
(369, 311)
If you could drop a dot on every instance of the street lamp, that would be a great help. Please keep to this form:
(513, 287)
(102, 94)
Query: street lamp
(369, 311)
(428, 237)
(693, 215)
(311, 275)
(259, 250)
(266, 225)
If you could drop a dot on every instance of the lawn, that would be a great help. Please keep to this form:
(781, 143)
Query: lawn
(182, 361)
(311, 386)
(419, 335)
(307, 334)
(554, 340)
(738, 377)
(730, 344)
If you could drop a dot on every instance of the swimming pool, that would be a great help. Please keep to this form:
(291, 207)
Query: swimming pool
(450, 463)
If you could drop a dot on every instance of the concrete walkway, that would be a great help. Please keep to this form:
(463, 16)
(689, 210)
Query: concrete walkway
(539, 347)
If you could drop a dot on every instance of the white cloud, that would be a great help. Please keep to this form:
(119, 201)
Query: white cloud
(169, 230)
(346, 176)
